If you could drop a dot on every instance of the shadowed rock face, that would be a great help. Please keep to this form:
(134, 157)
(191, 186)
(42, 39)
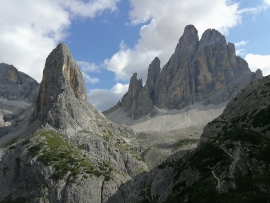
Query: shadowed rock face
(17, 92)
(16, 85)
(62, 99)
(197, 70)
(231, 160)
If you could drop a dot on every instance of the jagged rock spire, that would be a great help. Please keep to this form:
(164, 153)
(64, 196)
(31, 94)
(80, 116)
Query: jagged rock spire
(153, 73)
(62, 100)
(197, 70)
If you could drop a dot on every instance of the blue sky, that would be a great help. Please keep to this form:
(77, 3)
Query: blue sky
(111, 39)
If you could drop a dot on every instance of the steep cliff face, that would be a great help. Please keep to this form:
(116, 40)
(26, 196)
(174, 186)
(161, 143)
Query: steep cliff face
(16, 85)
(152, 76)
(137, 102)
(61, 149)
(17, 92)
(197, 70)
(62, 93)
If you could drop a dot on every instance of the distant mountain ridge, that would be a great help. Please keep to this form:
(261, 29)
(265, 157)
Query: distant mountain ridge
(17, 92)
(16, 85)
(205, 70)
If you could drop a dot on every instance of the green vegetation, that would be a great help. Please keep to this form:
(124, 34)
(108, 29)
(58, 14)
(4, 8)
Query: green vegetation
(54, 150)
(183, 142)
(84, 131)
(11, 142)
(17, 200)
(12, 147)
(110, 133)
(210, 156)
(241, 134)
(262, 117)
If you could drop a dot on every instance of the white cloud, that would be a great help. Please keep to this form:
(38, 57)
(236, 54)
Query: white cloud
(29, 30)
(127, 61)
(88, 67)
(267, 2)
(256, 61)
(241, 43)
(164, 24)
(89, 9)
(240, 52)
(103, 99)
(89, 79)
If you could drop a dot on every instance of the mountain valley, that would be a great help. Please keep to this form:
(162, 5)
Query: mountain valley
(197, 131)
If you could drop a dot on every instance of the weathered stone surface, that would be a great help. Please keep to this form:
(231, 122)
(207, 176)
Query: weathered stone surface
(62, 100)
(210, 65)
(16, 85)
(152, 76)
(259, 74)
(136, 101)
(61, 149)
(17, 92)
(205, 70)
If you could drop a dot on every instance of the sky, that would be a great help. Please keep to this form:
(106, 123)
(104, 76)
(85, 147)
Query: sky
(112, 39)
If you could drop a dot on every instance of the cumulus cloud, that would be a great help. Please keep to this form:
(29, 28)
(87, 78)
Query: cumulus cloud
(89, 9)
(256, 61)
(163, 23)
(29, 30)
(88, 68)
(267, 2)
(89, 79)
(103, 99)
(241, 43)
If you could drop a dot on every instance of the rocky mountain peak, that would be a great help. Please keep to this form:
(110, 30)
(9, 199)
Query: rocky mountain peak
(211, 36)
(187, 45)
(205, 70)
(190, 34)
(153, 73)
(62, 100)
(259, 74)
(135, 84)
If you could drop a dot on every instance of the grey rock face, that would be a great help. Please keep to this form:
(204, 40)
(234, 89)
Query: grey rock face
(205, 70)
(258, 74)
(17, 92)
(152, 76)
(208, 66)
(62, 100)
(61, 149)
(137, 100)
(16, 85)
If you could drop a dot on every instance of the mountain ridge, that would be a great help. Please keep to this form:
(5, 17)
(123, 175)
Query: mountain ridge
(196, 70)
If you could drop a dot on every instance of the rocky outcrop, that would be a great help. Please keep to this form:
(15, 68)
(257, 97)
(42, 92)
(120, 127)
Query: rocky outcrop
(61, 149)
(16, 85)
(136, 101)
(198, 70)
(17, 92)
(62, 100)
(152, 76)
